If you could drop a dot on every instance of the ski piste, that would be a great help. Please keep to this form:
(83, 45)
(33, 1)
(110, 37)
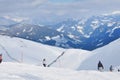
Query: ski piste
(9, 54)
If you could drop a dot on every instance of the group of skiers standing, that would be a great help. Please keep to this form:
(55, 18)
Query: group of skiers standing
(101, 67)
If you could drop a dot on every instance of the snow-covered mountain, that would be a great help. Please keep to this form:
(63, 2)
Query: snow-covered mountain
(87, 34)
(19, 55)
(93, 32)
(37, 33)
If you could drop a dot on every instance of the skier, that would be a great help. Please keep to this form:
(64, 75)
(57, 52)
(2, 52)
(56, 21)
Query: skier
(44, 62)
(100, 66)
(0, 58)
(111, 68)
(118, 70)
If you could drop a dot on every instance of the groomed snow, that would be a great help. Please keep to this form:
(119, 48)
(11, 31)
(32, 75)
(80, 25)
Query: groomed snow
(16, 71)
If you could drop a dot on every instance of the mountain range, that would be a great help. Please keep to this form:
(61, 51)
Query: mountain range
(22, 60)
(88, 34)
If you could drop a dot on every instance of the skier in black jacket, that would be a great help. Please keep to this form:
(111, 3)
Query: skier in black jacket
(44, 62)
(111, 68)
(100, 66)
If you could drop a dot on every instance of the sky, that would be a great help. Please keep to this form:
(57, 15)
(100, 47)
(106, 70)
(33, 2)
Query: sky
(48, 11)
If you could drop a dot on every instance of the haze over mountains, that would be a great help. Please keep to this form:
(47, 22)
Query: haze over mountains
(87, 34)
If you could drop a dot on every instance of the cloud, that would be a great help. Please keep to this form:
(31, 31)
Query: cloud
(14, 6)
(88, 7)
(15, 18)
(53, 10)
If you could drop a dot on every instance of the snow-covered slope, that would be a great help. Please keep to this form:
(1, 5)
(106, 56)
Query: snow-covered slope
(15, 71)
(20, 50)
(32, 52)
(13, 49)
(108, 55)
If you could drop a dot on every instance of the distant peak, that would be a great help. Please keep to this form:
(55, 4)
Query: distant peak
(113, 13)
(116, 12)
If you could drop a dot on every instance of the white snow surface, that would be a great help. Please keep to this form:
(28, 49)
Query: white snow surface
(75, 64)
(32, 52)
(61, 28)
(17, 71)
(26, 51)
(108, 55)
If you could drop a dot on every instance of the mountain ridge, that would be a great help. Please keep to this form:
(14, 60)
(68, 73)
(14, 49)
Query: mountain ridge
(87, 34)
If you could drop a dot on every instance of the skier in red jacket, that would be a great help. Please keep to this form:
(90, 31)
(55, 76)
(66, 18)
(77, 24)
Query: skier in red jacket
(0, 58)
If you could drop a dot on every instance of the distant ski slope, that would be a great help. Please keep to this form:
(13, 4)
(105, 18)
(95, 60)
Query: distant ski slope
(109, 55)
